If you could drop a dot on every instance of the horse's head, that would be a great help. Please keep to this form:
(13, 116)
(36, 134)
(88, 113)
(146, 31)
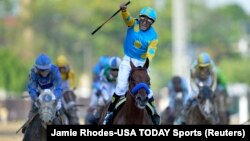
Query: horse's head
(47, 106)
(139, 83)
(206, 103)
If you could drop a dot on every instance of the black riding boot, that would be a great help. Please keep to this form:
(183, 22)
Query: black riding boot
(155, 116)
(110, 114)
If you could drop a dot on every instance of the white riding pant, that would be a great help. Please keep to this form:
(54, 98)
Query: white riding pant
(123, 75)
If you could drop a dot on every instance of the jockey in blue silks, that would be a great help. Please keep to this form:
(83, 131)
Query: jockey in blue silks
(44, 75)
(97, 70)
(177, 85)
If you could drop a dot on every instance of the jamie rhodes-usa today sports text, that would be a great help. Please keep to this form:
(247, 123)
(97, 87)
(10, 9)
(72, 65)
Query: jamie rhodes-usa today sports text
(176, 132)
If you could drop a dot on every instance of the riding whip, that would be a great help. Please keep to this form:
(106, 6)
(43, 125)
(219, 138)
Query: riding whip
(108, 19)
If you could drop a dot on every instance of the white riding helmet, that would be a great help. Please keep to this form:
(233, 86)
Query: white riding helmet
(115, 62)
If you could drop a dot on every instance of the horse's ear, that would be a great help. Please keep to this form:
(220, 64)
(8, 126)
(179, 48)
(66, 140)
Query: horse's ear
(146, 63)
(132, 64)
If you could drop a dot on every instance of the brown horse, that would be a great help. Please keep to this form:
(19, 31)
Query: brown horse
(222, 103)
(134, 109)
(204, 109)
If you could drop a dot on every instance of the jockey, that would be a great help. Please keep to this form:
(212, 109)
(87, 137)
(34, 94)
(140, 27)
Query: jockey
(68, 83)
(67, 74)
(203, 73)
(103, 60)
(44, 75)
(175, 86)
(107, 85)
(140, 43)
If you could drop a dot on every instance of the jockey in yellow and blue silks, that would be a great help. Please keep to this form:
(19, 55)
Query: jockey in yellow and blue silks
(203, 73)
(44, 75)
(140, 43)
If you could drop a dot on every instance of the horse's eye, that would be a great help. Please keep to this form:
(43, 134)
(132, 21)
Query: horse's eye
(148, 82)
(132, 79)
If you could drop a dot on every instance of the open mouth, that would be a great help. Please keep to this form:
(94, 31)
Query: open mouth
(140, 104)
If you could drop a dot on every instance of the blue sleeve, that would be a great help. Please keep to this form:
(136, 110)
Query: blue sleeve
(32, 85)
(57, 83)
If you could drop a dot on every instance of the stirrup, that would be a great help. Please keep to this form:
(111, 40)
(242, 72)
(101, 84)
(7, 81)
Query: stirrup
(108, 118)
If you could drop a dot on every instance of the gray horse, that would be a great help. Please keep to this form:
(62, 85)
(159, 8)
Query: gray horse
(36, 129)
(204, 109)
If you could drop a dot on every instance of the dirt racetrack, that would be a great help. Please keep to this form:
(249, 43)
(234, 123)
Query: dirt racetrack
(8, 131)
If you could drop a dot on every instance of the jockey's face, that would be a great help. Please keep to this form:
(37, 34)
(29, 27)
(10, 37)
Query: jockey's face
(204, 72)
(43, 73)
(177, 87)
(63, 69)
(145, 23)
(177, 84)
(113, 74)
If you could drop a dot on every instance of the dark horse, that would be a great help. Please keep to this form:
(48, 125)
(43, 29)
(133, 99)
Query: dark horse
(36, 130)
(70, 108)
(168, 117)
(222, 103)
(134, 109)
(203, 110)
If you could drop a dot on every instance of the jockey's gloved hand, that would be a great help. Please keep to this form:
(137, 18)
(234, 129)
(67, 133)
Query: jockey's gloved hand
(123, 7)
